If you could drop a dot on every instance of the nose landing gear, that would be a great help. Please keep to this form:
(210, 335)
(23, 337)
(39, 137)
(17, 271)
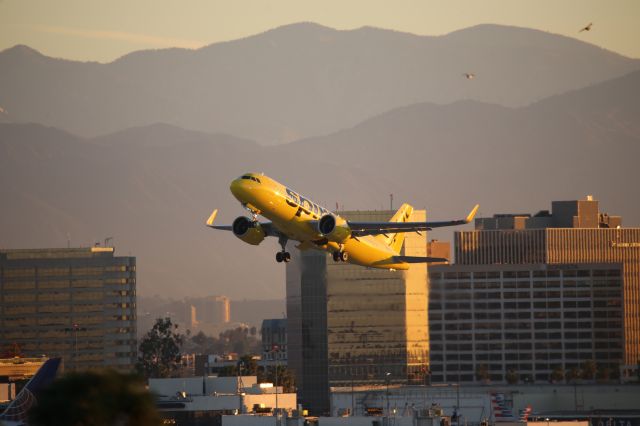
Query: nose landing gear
(284, 255)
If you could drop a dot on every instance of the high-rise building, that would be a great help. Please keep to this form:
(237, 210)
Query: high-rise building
(352, 325)
(531, 297)
(574, 232)
(213, 309)
(524, 323)
(76, 303)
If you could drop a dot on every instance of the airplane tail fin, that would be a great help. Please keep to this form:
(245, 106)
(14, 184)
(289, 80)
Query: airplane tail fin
(395, 241)
(17, 410)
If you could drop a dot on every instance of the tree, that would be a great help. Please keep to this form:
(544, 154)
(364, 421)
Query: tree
(482, 372)
(160, 350)
(286, 378)
(589, 368)
(572, 374)
(604, 373)
(97, 399)
(557, 375)
(512, 377)
(247, 366)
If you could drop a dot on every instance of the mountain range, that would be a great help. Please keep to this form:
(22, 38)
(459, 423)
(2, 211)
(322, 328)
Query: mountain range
(151, 187)
(297, 81)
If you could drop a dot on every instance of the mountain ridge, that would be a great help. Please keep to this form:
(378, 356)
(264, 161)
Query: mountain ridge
(298, 81)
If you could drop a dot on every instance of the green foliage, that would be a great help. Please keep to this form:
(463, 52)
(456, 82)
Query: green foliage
(240, 340)
(588, 369)
(285, 378)
(95, 399)
(248, 367)
(160, 350)
(512, 377)
(482, 372)
(572, 375)
(557, 375)
(604, 373)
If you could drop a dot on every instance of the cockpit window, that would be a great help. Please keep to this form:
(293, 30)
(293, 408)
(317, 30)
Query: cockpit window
(255, 179)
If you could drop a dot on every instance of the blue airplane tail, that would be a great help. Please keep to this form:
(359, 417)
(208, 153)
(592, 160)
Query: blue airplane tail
(17, 410)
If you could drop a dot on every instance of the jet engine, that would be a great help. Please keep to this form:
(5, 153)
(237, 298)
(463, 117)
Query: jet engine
(247, 230)
(334, 228)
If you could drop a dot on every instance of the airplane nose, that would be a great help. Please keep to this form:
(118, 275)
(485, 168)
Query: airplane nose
(236, 187)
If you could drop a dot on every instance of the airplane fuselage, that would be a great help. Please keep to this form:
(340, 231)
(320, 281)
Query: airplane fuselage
(296, 216)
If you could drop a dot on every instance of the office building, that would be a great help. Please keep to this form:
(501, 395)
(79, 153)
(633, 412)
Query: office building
(352, 325)
(524, 323)
(76, 303)
(574, 232)
(533, 297)
(274, 340)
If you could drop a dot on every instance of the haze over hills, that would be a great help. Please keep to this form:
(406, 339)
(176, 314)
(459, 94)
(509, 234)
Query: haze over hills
(297, 81)
(152, 187)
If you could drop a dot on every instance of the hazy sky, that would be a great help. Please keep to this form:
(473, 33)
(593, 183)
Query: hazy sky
(104, 30)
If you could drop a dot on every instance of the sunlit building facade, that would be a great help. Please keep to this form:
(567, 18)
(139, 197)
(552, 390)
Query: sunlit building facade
(574, 232)
(524, 323)
(350, 325)
(76, 303)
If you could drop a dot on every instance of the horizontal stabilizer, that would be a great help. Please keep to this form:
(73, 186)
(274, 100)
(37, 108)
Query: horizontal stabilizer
(420, 259)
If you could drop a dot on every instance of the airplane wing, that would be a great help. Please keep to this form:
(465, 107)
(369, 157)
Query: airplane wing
(359, 229)
(269, 229)
(420, 259)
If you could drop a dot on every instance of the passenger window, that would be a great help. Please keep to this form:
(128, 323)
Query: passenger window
(246, 177)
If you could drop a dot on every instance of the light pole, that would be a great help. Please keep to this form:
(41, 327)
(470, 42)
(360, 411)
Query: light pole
(387, 376)
(75, 330)
(274, 351)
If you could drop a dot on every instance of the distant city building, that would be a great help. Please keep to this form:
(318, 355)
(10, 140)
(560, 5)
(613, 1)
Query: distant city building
(352, 325)
(274, 339)
(76, 303)
(213, 309)
(533, 297)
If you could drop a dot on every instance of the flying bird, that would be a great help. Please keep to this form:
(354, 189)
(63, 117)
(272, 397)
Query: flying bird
(587, 28)
(469, 76)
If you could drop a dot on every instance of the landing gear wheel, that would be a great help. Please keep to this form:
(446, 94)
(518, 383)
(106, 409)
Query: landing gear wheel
(286, 257)
(279, 257)
(336, 256)
(344, 256)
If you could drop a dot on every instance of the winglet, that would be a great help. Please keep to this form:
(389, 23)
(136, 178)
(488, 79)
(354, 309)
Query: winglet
(472, 214)
(212, 218)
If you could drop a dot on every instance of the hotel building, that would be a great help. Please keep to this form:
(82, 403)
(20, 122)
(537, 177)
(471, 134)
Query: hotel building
(76, 303)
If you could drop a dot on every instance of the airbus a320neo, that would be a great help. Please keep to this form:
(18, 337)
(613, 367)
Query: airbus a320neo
(295, 217)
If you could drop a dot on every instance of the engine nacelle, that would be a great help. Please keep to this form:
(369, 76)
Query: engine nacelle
(248, 231)
(334, 228)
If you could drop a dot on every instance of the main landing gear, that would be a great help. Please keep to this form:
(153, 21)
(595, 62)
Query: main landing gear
(284, 255)
(340, 256)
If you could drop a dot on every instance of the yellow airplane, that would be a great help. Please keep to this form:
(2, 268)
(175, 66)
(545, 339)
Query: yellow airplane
(294, 217)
